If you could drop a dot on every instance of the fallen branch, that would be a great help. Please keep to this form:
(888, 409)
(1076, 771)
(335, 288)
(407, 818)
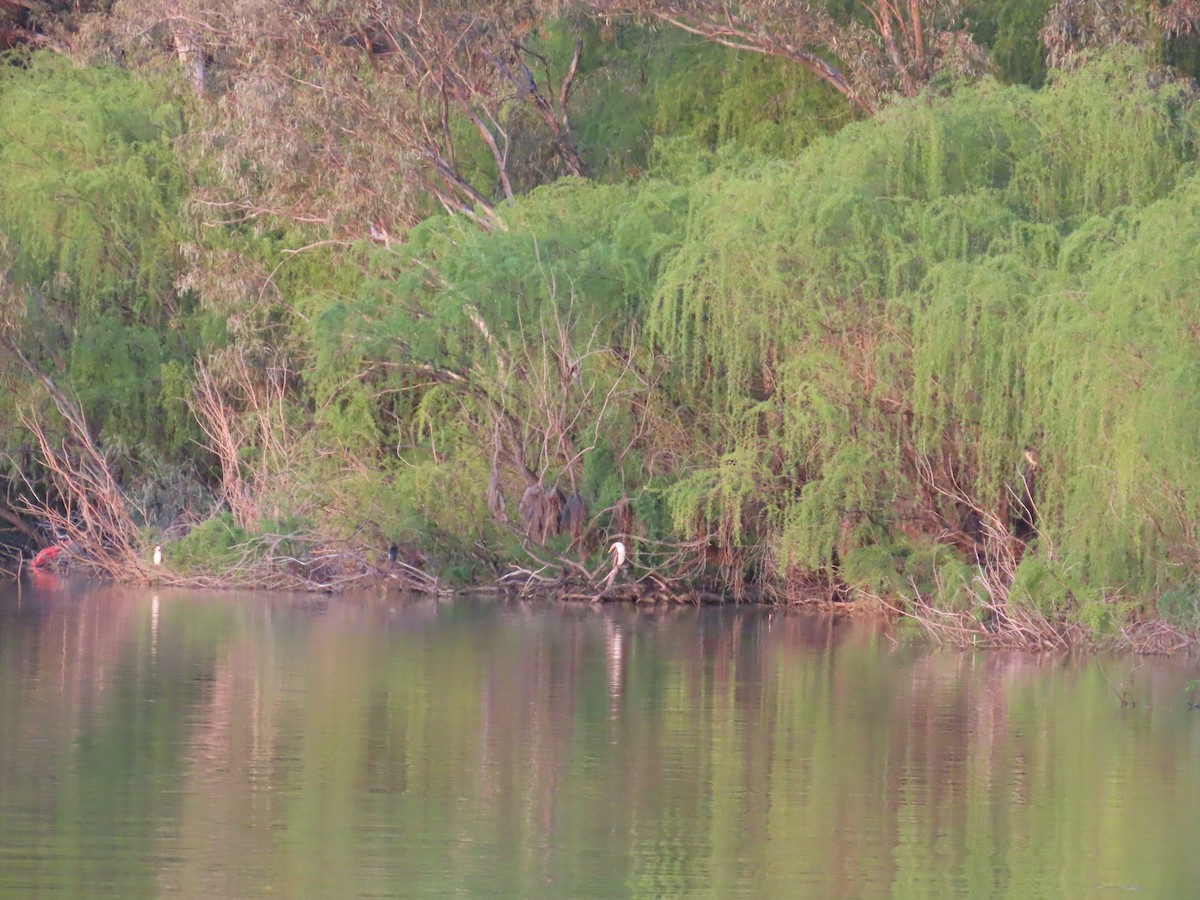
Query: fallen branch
(93, 517)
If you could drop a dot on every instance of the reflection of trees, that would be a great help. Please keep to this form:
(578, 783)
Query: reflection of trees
(229, 800)
(412, 747)
(60, 659)
(88, 738)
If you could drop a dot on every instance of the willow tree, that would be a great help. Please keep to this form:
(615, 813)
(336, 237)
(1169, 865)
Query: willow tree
(501, 373)
(93, 233)
(868, 322)
(1122, 494)
(90, 230)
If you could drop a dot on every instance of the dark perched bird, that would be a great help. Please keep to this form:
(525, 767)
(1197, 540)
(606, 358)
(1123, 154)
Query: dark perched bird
(393, 552)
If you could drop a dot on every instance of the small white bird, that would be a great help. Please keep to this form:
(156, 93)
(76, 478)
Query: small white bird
(158, 554)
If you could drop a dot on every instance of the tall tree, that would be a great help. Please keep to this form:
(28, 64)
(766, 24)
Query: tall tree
(353, 115)
(890, 46)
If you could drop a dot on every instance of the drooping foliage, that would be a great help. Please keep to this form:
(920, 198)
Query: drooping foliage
(91, 182)
(90, 195)
(888, 358)
(1118, 351)
(897, 301)
(515, 354)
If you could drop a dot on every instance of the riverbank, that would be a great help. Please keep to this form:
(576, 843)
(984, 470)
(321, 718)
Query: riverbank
(986, 625)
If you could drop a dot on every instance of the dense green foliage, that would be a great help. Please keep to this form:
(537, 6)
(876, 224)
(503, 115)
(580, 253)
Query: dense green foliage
(945, 351)
(90, 233)
(933, 292)
(861, 344)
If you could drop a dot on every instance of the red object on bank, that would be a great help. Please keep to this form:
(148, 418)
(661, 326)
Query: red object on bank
(45, 557)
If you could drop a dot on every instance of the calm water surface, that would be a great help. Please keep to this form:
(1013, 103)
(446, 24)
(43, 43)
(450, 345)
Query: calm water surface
(242, 745)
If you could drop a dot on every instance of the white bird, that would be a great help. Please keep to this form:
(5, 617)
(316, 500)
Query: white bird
(158, 554)
(618, 551)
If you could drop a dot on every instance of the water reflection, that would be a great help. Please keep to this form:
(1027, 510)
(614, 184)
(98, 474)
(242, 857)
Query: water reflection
(231, 744)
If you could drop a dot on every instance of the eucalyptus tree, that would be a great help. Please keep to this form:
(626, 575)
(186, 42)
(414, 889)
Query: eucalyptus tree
(1075, 27)
(880, 48)
(358, 118)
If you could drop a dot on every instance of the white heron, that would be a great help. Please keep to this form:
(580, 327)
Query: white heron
(618, 551)
(158, 554)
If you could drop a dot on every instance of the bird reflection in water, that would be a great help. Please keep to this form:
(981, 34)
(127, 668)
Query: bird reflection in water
(614, 653)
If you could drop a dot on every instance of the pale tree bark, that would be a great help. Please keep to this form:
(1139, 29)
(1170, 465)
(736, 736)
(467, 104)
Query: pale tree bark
(190, 52)
(907, 43)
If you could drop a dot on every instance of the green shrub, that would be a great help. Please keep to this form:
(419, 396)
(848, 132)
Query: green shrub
(215, 545)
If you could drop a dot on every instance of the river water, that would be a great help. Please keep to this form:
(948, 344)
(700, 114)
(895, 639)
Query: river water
(174, 743)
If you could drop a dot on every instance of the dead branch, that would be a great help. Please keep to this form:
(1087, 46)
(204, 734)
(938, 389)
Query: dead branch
(244, 417)
(95, 518)
(217, 421)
